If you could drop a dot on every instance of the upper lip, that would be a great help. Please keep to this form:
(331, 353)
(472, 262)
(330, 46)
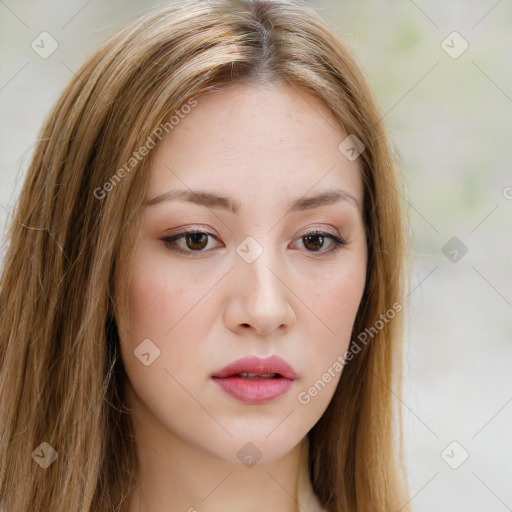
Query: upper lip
(258, 366)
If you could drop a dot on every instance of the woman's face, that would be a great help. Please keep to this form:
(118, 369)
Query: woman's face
(251, 283)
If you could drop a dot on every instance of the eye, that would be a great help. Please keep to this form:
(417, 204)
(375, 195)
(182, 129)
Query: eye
(315, 240)
(195, 241)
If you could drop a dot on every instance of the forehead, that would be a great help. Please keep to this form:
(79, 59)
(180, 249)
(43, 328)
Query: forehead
(252, 142)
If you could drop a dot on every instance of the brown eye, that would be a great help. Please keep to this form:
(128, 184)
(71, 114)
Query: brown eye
(189, 242)
(196, 241)
(313, 242)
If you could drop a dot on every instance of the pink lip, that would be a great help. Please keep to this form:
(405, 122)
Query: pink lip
(256, 391)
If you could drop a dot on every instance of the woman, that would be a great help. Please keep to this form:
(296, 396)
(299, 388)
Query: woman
(202, 296)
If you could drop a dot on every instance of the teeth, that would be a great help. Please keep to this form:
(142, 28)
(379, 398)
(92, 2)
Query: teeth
(247, 375)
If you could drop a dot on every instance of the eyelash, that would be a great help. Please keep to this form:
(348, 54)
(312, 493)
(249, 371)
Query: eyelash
(170, 241)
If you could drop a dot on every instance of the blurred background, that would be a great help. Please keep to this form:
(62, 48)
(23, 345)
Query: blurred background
(442, 72)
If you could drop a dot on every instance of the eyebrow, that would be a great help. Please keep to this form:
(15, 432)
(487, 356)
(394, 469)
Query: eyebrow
(211, 200)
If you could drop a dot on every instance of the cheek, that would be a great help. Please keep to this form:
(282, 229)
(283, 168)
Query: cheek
(334, 302)
(328, 324)
(161, 298)
(163, 308)
(156, 308)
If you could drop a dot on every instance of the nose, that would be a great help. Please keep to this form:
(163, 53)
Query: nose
(259, 296)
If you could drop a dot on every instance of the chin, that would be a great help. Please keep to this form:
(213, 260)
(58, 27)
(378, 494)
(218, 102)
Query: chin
(256, 446)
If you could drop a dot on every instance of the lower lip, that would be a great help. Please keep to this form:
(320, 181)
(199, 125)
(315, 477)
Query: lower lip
(254, 391)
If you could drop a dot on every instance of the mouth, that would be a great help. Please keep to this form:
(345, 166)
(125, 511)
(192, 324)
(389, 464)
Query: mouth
(255, 376)
(255, 381)
(256, 368)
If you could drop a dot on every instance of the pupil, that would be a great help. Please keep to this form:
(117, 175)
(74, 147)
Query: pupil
(317, 244)
(193, 239)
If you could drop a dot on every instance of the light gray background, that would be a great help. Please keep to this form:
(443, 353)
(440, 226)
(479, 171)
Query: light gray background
(451, 118)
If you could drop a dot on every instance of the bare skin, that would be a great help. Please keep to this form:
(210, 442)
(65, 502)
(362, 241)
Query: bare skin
(264, 147)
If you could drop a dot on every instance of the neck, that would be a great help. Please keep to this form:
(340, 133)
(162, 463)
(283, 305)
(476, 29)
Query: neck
(177, 476)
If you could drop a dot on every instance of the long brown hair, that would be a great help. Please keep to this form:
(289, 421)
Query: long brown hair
(62, 377)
